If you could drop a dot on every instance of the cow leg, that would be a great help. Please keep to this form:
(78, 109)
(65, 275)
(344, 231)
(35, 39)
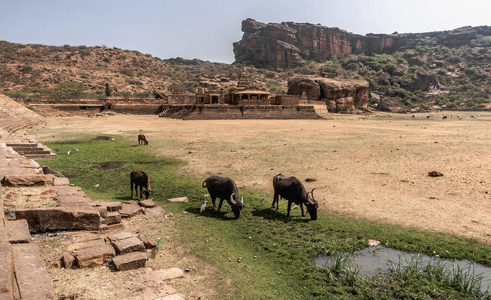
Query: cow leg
(131, 187)
(301, 207)
(276, 199)
(141, 191)
(220, 204)
(289, 208)
(213, 200)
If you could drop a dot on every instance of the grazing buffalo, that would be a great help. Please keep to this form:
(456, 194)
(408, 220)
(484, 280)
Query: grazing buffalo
(224, 188)
(292, 189)
(142, 140)
(140, 179)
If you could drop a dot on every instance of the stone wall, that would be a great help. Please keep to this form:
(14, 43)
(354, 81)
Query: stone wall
(217, 112)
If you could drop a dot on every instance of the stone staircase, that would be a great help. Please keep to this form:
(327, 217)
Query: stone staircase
(23, 274)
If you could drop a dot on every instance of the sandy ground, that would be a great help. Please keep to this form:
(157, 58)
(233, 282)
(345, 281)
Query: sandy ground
(371, 167)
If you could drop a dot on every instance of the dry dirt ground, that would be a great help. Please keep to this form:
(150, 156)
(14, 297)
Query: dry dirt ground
(372, 167)
(365, 167)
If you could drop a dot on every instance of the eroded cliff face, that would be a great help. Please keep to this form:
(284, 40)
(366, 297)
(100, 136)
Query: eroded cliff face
(289, 44)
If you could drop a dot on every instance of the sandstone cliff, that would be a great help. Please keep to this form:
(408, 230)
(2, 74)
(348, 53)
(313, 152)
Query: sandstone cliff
(288, 44)
(340, 95)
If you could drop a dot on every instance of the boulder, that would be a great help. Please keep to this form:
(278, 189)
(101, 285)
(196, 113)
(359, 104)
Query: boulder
(67, 261)
(424, 80)
(401, 70)
(59, 218)
(299, 85)
(390, 104)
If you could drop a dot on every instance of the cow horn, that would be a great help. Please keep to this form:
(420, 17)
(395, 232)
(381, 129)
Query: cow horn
(312, 195)
(232, 199)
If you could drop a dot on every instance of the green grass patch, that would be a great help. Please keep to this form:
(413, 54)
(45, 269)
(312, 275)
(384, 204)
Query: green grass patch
(267, 255)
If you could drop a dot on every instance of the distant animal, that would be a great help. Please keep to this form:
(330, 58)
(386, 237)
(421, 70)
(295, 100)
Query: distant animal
(460, 117)
(292, 189)
(142, 140)
(262, 198)
(140, 179)
(203, 207)
(224, 188)
(444, 117)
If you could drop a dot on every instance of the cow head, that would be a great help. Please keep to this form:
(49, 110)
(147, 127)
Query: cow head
(312, 205)
(236, 205)
(146, 192)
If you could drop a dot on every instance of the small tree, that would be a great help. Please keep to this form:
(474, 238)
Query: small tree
(108, 91)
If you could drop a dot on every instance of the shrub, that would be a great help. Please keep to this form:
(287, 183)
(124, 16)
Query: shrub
(128, 72)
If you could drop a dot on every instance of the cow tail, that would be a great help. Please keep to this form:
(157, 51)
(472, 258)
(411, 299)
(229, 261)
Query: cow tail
(203, 184)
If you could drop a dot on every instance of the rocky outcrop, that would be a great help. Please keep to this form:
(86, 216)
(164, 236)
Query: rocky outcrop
(340, 95)
(289, 44)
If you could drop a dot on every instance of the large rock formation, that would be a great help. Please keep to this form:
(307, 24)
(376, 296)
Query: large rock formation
(288, 44)
(340, 95)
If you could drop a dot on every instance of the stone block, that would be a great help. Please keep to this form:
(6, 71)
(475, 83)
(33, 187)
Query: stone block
(18, 231)
(6, 268)
(32, 278)
(147, 203)
(57, 181)
(114, 227)
(130, 261)
(102, 210)
(72, 200)
(148, 243)
(94, 256)
(168, 274)
(60, 218)
(132, 244)
(99, 242)
(29, 180)
(154, 211)
(120, 236)
(179, 199)
(130, 209)
(109, 206)
(67, 261)
(3, 231)
(113, 218)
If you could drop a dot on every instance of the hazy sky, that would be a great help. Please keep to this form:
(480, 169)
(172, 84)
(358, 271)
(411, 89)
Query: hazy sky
(206, 29)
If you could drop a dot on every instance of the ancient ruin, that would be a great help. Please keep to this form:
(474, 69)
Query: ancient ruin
(53, 204)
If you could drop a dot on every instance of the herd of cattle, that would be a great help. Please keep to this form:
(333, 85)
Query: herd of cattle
(224, 188)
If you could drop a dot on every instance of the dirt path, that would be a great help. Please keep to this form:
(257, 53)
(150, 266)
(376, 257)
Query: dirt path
(373, 167)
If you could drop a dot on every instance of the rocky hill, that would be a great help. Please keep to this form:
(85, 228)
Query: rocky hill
(413, 71)
(290, 44)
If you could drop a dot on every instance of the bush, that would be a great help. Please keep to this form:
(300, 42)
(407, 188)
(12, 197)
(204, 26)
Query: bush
(128, 72)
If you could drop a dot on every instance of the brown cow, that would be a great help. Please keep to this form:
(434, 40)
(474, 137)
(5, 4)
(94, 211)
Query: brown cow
(140, 179)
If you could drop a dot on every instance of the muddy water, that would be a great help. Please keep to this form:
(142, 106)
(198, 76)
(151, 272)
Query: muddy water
(377, 260)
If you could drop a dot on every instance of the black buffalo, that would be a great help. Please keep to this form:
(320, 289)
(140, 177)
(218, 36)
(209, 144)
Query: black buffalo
(292, 189)
(224, 188)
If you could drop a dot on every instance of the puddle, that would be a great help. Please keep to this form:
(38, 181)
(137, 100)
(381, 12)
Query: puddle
(376, 260)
